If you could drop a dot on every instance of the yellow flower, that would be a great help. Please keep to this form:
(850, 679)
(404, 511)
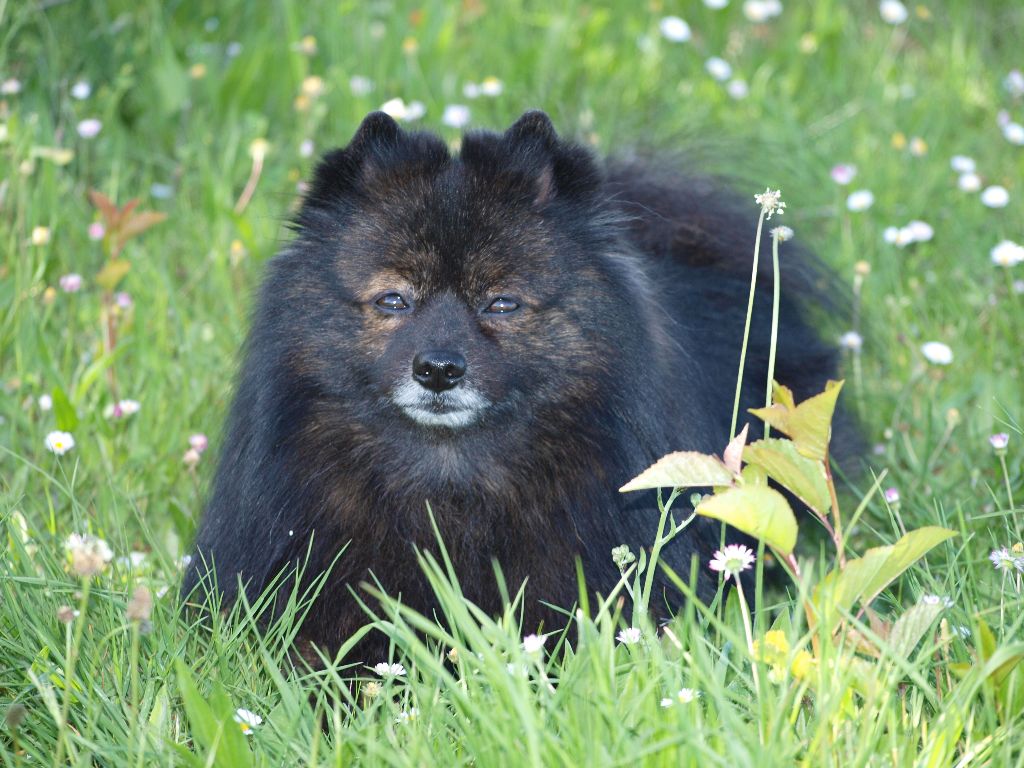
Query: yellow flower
(773, 648)
(197, 71)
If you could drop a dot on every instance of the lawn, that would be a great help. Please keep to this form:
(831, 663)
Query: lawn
(896, 135)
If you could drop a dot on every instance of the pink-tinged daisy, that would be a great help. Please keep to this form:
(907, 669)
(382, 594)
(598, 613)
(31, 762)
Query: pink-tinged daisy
(1005, 560)
(198, 442)
(843, 173)
(89, 128)
(999, 441)
(96, 231)
(732, 560)
(892, 496)
(71, 283)
(629, 636)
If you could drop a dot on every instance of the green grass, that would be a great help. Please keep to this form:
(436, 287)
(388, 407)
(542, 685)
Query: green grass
(828, 83)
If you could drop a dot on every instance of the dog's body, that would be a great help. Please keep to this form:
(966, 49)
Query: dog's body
(508, 336)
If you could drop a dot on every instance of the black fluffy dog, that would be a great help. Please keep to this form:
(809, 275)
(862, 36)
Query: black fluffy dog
(507, 335)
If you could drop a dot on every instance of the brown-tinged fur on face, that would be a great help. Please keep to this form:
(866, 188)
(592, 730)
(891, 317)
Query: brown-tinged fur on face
(621, 346)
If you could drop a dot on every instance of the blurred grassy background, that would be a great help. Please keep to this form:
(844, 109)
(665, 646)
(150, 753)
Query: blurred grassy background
(183, 89)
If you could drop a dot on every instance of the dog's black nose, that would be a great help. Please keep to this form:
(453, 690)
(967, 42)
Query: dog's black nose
(438, 370)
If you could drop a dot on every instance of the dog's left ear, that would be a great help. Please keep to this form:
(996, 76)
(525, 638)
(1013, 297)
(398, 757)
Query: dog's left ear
(532, 159)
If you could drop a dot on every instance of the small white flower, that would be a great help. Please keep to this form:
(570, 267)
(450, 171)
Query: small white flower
(860, 200)
(60, 442)
(737, 88)
(45, 402)
(359, 85)
(121, 409)
(630, 636)
(675, 29)
(1014, 83)
(1007, 254)
(732, 560)
(455, 116)
(71, 282)
(471, 91)
(491, 86)
(247, 720)
(716, 5)
(969, 182)
(1014, 133)
(852, 341)
(771, 202)
(843, 173)
(920, 232)
(892, 496)
(40, 235)
(389, 670)
(81, 90)
(718, 68)
(163, 191)
(534, 643)
(782, 233)
(89, 128)
(407, 715)
(962, 164)
(893, 11)
(306, 148)
(683, 696)
(687, 695)
(995, 196)
(10, 87)
(937, 353)
(944, 600)
(398, 109)
(760, 11)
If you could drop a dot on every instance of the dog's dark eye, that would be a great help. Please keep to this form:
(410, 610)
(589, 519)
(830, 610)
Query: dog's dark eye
(392, 302)
(502, 305)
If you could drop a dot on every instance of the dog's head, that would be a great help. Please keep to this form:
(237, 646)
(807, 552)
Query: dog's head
(453, 295)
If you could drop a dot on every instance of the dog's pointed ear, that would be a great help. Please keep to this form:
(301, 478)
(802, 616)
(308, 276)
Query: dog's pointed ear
(556, 168)
(379, 151)
(378, 130)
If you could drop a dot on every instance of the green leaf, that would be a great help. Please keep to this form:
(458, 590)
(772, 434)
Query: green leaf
(911, 627)
(67, 419)
(808, 424)
(113, 272)
(682, 469)
(758, 511)
(802, 476)
(213, 725)
(865, 577)
(200, 716)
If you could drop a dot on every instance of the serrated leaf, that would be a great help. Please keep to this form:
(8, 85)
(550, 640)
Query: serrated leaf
(758, 511)
(64, 411)
(865, 577)
(113, 272)
(682, 469)
(802, 476)
(808, 424)
(911, 627)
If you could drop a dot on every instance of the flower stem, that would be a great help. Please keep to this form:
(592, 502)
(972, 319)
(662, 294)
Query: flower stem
(775, 326)
(746, 327)
(69, 673)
